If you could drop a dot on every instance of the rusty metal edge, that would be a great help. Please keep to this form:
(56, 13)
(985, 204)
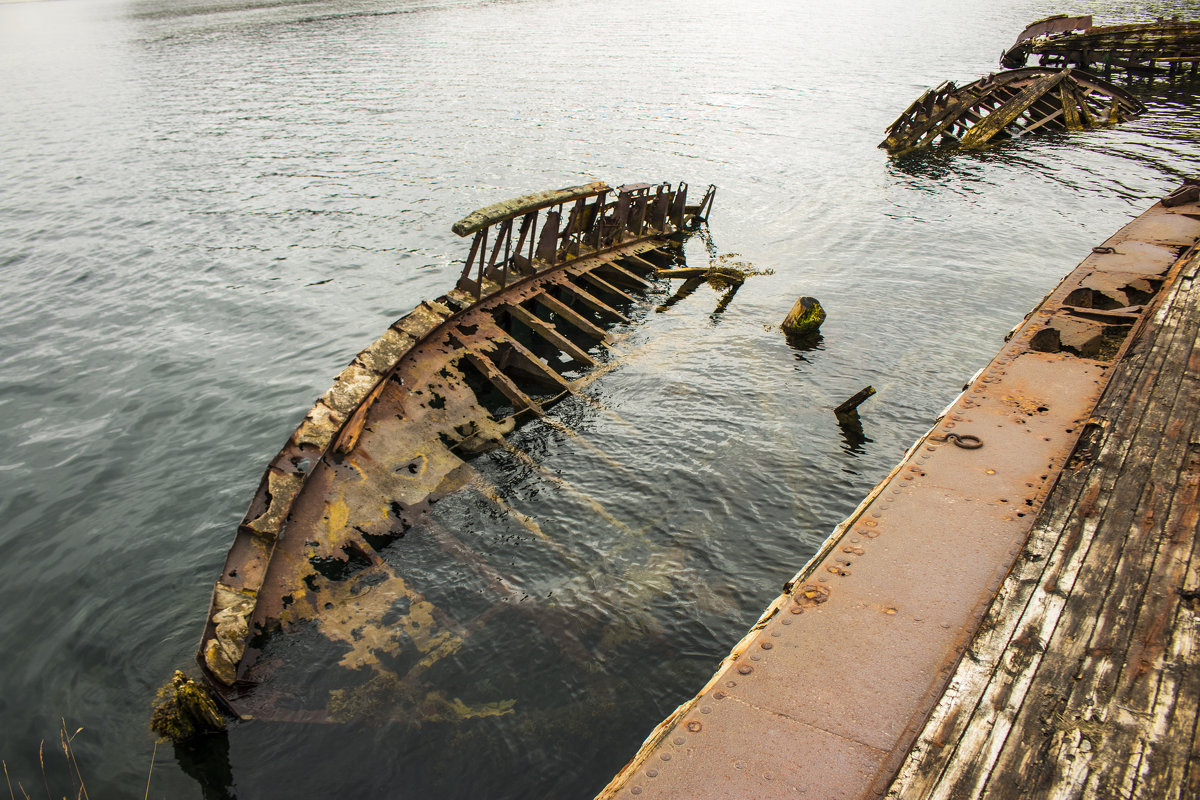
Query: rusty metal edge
(368, 395)
(1034, 319)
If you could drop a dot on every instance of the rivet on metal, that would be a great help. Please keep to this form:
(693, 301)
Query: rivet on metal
(694, 726)
(651, 773)
(756, 657)
(719, 695)
(667, 756)
(705, 710)
(745, 669)
(636, 790)
(766, 645)
(731, 684)
(676, 740)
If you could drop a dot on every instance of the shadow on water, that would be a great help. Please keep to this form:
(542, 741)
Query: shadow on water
(853, 437)
(206, 761)
(802, 344)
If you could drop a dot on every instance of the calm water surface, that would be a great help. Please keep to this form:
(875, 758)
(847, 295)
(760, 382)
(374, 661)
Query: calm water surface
(207, 208)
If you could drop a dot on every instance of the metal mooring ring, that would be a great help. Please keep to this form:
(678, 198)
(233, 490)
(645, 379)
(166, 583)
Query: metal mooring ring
(965, 440)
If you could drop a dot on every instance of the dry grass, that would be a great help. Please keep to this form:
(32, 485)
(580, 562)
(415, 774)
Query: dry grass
(78, 787)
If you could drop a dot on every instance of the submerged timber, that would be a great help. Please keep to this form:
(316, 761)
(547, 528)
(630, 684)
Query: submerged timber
(1012, 611)
(1165, 48)
(1009, 105)
(313, 618)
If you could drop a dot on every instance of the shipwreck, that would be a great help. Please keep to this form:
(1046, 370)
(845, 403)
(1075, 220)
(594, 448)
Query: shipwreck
(1165, 48)
(320, 613)
(1009, 105)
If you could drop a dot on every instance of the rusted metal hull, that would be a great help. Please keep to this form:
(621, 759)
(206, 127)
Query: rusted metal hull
(392, 436)
(1009, 105)
(825, 695)
(1165, 48)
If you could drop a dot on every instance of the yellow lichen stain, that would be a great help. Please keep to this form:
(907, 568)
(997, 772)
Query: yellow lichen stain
(386, 697)
(338, 515)
(357, 614)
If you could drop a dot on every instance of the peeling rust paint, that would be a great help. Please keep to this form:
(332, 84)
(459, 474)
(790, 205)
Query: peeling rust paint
(392, 435)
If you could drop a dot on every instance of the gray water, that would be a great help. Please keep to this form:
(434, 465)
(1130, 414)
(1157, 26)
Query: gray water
(207, 208)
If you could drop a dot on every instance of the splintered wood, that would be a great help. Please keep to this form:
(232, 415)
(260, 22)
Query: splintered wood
(1009, 105)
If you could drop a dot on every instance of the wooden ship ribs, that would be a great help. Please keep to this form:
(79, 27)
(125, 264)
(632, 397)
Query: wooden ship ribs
(1009, 105)
(546, 275)
(1164, 48)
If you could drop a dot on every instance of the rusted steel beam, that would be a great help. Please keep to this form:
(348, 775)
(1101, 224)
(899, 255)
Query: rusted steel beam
(591, 301)
(392, 437)
(550, 334)
(572, 317)
(1008, 105)
(826, 693)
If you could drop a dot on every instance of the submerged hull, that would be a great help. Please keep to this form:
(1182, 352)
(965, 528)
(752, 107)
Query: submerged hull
(320, 613)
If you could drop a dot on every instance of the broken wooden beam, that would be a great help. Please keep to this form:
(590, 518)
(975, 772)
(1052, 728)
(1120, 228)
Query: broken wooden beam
(1008, 105)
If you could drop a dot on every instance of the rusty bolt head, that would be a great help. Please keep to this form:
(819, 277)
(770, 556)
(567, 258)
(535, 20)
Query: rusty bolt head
(694, 726)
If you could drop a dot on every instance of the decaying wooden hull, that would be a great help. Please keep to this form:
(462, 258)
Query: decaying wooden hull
(1009, 105)
(545, 278)
(1165, 48)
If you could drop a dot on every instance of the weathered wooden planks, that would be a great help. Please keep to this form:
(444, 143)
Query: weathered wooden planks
(1164, 48)
(893, 619)
(1009, 105)
(1083, 681)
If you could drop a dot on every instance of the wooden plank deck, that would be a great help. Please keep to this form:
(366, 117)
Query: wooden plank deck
(1084, 679)
(1009, 613)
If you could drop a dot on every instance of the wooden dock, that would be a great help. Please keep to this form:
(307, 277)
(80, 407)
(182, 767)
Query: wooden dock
(1084, 679)
(1011, 612)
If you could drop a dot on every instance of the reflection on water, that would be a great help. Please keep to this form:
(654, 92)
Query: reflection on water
(208, 207)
